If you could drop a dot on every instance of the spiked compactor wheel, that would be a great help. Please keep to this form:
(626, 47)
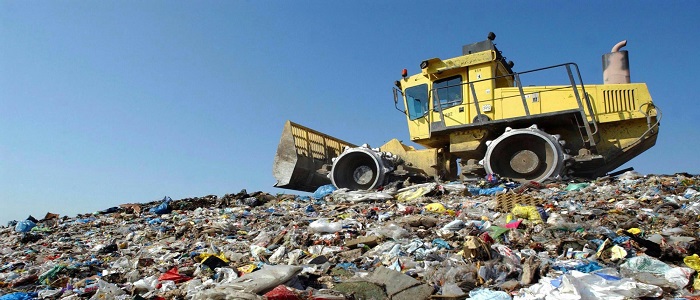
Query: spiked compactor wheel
(527, 154)
(362, 168)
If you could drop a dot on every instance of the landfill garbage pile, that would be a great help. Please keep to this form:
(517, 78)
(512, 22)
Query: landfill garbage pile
(623, 237)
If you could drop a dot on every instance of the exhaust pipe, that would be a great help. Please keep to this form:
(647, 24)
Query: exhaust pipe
(616, 65)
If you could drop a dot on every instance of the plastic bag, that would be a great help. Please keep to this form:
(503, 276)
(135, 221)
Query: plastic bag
(415, 191)
(360, 196)
(454, 225)
(489, 191)
(24, 226)
(435, 207)
(226, 275)
(617, 253)
(441, 244)
(679, 277)
(454, 187)
(193, 286)
(527, 212)
(693, 261)
(486, 294)
(644, 264)
(278, 255)
(16, 296)
(147, 284)
(324, 190)
(173, 275)
(268, 277)
(163, 208)
(106, 290)
(393, 231)
(281, 292)
(50, 294)
(323, 225)
(452, 289)
(575, 186)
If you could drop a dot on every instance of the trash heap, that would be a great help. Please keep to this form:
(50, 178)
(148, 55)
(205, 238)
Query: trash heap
(623, 237)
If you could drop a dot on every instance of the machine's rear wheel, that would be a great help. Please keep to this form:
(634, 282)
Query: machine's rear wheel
(528, 154)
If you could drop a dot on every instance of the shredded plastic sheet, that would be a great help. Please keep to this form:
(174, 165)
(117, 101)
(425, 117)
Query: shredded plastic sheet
(281, 292)
(264, 279)
(584, 266)
(415, 191)
(576, 186)
(173, 275)
(486, 191)
(578, 285)
(345, 195)
(486, 294)
(646, 264)
(454, 187)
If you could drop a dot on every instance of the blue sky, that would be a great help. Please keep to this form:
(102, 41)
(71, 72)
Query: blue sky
(110, 102)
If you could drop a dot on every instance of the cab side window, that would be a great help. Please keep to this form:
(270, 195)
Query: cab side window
(448, 92)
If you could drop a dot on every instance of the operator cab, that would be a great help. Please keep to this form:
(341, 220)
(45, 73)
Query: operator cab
(453, 92)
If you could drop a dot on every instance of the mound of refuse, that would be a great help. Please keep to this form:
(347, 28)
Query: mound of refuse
(625, 237)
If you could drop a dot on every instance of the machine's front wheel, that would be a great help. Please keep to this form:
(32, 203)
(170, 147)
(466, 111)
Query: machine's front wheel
(527, 154)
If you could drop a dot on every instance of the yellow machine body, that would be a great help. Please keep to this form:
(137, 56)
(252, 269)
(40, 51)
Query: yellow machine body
(456, 107)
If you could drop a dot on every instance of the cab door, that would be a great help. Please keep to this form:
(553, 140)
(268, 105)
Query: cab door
(417, 111)
(448, 97)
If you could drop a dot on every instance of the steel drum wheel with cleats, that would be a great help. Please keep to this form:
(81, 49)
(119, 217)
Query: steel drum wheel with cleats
(527, 154)
(362, 168)
(357, 170)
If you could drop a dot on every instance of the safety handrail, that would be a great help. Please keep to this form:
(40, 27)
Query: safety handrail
(516, 78)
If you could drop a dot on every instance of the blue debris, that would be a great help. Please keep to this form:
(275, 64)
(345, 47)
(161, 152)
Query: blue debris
(492, 179)
(24, 226)
(621, 239)
(585, 267)
(155, 221)
(163, 208)
(323, 191)
(441, 244)
(488, 191)
(17, 296)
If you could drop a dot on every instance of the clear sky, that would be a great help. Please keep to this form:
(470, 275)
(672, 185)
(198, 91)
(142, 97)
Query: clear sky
(110, 102)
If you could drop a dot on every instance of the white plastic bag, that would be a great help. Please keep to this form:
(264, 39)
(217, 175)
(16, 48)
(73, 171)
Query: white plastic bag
(106, 290)
(323, 225)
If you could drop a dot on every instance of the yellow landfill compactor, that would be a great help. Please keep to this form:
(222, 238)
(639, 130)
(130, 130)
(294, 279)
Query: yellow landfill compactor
(474, 116)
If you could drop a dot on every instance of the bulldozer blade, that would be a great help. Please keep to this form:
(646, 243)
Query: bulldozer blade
(301, 156)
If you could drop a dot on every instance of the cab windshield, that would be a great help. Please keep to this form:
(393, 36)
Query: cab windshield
(417, 101)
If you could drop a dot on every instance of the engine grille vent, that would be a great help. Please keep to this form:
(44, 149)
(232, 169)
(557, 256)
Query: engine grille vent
(619, 101)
